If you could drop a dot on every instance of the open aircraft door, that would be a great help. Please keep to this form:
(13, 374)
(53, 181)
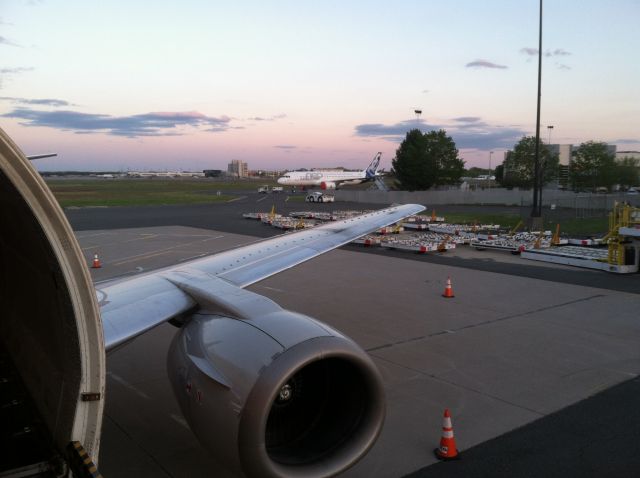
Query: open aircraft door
(50, 323)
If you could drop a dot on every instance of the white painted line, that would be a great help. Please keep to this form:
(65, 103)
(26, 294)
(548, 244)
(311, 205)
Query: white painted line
(180, 420)
(237, 199)
(272, 288)
(128, 385)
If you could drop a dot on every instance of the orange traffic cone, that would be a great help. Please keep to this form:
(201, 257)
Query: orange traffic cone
(96, 262)
(448, 291)
(447, 449)
(433, 215)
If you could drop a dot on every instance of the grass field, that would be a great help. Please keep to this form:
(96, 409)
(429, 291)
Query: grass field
(156, 191)
(572, 226)
(135, 192)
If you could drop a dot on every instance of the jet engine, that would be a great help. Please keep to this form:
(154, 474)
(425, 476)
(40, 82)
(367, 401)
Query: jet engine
(281, 396)
(327, 185)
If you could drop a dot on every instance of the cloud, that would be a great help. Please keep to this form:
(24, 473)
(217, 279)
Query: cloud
(562, 66)
(149, 124)
(547, 53)
(484, 64)
(393, 132)
(286, 148)
(6, 41)
(557, 52)
(626, 141)
(13, 71)
(269, 118)
(36, 101)
(8, 72)
(529, 51)
(467, 119)
(468, 132)
(425, 91)
(487, 137)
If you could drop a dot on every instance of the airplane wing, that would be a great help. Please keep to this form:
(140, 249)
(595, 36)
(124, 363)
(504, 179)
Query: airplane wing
(132, 306)
(268, 392)
(41, 156)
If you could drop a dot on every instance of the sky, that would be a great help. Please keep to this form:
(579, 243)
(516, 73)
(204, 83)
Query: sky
(191, 85)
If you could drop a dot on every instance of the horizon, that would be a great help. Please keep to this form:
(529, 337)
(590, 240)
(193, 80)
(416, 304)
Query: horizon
(293, 85)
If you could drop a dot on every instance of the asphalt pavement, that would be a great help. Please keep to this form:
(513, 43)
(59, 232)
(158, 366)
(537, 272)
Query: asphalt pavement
(539, 363)
(227, 217)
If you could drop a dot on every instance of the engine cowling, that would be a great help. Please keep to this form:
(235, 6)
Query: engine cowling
(327, 185)
(283, 397)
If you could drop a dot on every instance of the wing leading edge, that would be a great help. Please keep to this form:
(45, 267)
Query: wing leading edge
(132, 306)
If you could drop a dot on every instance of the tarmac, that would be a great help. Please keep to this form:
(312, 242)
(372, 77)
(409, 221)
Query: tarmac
(538, 363)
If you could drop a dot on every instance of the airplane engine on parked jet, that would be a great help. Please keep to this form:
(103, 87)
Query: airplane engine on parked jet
(286, 396)
(327, 185)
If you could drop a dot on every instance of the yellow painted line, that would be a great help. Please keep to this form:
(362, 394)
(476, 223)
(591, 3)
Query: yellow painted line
(93, 235)
(146, 236)
(161, 251)
(141, 256)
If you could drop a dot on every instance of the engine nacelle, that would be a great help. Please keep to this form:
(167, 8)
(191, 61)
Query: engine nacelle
(327, 185)
(282, 397)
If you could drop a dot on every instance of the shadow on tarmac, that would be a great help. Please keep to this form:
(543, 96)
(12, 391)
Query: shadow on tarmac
(597, 437)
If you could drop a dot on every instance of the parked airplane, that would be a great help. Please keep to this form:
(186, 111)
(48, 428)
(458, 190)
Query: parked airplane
(165, 174)
(330, 179)
(267, 391)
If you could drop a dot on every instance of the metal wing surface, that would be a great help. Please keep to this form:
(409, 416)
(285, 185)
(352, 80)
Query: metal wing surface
(132, 306)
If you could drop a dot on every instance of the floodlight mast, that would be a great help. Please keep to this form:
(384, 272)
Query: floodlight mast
(536, 210)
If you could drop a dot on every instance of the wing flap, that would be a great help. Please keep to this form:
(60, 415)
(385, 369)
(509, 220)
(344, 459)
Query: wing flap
(130, 308)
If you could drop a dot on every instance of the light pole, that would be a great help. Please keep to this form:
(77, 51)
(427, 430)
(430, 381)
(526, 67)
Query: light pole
(549, 128)
(490, 154)
(536, 210)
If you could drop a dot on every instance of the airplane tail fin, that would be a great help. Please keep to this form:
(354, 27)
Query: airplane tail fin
(371, 171)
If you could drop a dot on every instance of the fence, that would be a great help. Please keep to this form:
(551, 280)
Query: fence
(554, 201)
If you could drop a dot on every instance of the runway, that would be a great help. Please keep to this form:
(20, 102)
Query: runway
(507, 355)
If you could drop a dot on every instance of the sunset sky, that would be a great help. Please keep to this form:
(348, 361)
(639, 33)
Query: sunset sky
(191, 85)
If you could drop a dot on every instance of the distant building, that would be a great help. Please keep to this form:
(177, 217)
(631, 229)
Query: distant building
(565, 154)
(212, 173)
(627, 154)
(238, 168)
(266, 174)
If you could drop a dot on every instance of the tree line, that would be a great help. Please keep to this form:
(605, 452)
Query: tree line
(431, 159)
